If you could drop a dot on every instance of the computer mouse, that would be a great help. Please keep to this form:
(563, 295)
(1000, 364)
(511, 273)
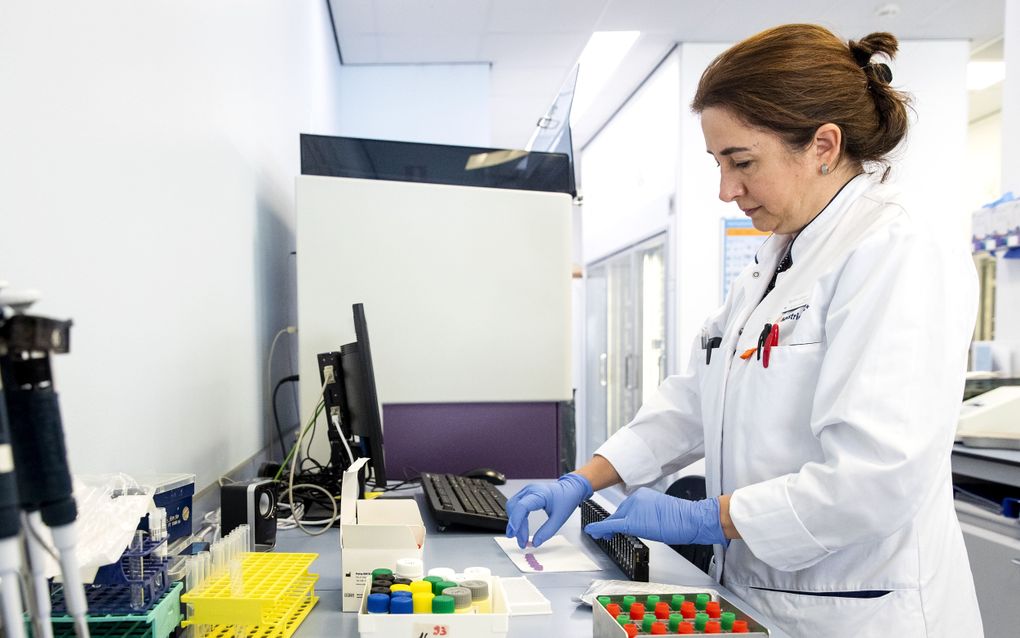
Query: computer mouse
(487, 474)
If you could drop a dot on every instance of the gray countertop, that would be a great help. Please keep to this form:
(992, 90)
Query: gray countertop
(459, 549)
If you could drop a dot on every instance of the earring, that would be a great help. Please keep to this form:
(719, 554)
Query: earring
(825, 169)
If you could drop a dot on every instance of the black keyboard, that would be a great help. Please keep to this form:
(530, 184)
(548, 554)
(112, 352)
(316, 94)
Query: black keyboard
(458, 500)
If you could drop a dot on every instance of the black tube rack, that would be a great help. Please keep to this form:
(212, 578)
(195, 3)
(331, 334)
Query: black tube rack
(629, 553)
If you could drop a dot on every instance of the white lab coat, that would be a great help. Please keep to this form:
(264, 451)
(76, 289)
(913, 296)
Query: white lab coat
(837, 455)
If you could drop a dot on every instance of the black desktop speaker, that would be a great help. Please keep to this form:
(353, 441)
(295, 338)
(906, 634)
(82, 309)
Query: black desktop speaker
(251, 503)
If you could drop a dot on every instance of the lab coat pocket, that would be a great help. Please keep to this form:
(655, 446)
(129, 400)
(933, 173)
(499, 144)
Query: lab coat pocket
(791, 373)
(771, 409)
(897, 613)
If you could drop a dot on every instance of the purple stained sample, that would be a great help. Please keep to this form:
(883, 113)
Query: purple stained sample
(537, 566)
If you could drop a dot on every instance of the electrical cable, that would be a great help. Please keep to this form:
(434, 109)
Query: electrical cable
(293, 450)
(269, 374)
(276, 417)
(311, 437)
(326, 523)
(293, 467)
(407, 484)
(343, 439)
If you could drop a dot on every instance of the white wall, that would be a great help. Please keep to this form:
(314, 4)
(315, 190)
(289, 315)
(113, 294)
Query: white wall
(1007, 279)
(699, 210)
(1011, 100)
(146, 187)
(983, 165)
(927, 167)
(629, 168)
(437, 103)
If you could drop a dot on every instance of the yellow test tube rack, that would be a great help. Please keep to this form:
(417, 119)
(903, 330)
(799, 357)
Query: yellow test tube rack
(272, 595)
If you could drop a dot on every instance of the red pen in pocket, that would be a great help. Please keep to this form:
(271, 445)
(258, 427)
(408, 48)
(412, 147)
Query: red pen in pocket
(773, 340)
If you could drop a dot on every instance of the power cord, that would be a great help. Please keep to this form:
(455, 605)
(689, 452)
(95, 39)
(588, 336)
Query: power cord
(291, 485)
(269, 375)
(343, 439)
(276, 417)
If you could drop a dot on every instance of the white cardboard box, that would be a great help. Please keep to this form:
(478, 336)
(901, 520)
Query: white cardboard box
(373, 534)
(494, 625)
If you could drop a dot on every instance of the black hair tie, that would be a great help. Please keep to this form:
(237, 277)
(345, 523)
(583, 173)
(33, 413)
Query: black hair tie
(881, 70)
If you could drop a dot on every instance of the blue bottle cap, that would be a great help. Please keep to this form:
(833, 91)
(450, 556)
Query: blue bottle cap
(401, 605)
(378, 603)
(401, 593)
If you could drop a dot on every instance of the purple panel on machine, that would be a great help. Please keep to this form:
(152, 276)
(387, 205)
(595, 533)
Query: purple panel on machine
(519, 439)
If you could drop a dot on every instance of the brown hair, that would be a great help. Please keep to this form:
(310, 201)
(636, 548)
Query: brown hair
(793, 78)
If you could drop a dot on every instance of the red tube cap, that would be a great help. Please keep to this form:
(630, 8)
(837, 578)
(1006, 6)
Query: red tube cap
(637, 611)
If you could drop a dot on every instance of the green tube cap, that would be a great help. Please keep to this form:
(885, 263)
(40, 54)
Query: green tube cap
(442, 605)
(701, 602)
(699, 621)
(726, 619)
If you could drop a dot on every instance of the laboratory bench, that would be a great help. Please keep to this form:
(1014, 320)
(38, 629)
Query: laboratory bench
(989, 464)
(460, 549)
(993, 541)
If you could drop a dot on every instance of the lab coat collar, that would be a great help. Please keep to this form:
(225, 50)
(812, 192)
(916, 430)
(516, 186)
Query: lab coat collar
(824, 221)
(776, 244)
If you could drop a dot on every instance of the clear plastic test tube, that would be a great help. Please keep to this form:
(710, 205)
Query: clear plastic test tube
(136, 570)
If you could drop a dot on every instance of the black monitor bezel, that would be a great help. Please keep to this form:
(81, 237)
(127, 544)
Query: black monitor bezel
(369, 427)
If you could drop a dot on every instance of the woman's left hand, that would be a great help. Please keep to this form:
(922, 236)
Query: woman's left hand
(660, 517)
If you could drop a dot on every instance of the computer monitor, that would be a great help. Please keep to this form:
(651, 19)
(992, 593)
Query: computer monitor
(359, 405)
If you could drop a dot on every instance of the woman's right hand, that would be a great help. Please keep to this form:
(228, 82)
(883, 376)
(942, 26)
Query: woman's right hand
(559, 500)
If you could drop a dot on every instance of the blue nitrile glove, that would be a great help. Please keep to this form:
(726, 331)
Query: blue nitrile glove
(559, 500)
(660, 517)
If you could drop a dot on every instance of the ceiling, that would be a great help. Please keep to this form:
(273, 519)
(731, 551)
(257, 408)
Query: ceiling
(532, 44)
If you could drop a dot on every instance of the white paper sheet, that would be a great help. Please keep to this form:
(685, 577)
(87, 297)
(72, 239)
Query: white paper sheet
(555, 555)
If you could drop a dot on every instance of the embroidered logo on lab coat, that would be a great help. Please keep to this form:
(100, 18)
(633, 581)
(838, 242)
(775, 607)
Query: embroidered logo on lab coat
(793, 314)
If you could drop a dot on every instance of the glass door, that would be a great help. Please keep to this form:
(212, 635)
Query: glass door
(625, 358)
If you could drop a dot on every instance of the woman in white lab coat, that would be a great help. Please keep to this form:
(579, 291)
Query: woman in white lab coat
(824, 394)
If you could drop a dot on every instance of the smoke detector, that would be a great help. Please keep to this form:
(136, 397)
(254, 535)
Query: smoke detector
(890, 10)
